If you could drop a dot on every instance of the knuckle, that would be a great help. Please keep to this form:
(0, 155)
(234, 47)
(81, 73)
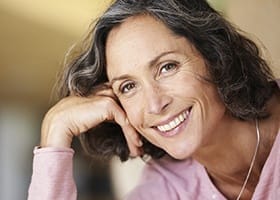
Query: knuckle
(109, 102)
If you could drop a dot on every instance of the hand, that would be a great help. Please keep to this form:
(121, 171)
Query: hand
(74, 115)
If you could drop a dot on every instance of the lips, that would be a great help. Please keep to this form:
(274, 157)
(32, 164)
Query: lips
(174, 122)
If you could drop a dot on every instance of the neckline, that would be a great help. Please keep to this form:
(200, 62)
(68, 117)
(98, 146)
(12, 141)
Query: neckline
(264, 173)
(270, 161)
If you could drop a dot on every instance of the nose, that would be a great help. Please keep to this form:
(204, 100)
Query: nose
(156, 98)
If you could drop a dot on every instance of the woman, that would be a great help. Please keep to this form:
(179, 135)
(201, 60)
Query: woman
(174, 80)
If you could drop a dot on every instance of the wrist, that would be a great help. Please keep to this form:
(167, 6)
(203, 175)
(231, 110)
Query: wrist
(55, 136)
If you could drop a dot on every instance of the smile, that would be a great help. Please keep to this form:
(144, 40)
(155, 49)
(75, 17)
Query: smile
(175, 122)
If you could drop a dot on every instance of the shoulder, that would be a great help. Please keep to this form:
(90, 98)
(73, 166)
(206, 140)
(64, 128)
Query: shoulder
(169, 168)
(167, 179)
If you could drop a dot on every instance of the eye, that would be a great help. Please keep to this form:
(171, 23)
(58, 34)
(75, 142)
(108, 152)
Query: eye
(126, 87)
(167, 67)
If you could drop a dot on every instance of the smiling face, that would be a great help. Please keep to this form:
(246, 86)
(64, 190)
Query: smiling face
(159, 79)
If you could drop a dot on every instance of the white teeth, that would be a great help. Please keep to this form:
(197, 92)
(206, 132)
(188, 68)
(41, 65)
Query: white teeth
(181, 118)
(177, 121)
(174, 123)
(166, 127)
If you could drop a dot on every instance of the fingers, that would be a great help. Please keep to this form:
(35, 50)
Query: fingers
(133, 140)
(106, 107)
(104, 90)
(132, 137)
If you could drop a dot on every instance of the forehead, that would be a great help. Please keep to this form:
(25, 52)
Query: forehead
(137, 41)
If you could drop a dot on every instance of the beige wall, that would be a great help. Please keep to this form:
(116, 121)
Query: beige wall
(262, 20)
(34, 37)
(36, 34)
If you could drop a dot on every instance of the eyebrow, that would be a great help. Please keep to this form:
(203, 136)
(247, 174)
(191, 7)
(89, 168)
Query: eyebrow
(150, 64)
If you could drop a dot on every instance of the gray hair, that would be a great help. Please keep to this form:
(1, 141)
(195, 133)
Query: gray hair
(233, 61)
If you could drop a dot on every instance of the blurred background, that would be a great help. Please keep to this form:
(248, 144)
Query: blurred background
(34, 37)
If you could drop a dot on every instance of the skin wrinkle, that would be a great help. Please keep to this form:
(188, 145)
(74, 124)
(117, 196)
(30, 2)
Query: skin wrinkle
(187, 61)
(142, 127)
(191, 70)
(223, 52)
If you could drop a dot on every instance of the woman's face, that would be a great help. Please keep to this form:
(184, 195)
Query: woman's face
(159, 80)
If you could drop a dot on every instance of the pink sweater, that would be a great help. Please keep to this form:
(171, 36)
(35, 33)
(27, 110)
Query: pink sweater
(163, 179)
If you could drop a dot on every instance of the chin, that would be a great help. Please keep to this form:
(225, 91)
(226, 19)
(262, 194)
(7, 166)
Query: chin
(180, 153)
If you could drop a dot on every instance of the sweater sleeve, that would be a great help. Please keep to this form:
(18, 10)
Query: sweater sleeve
(52, 177)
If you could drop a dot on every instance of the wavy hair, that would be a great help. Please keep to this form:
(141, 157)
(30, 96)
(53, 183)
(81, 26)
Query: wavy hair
(242, 77)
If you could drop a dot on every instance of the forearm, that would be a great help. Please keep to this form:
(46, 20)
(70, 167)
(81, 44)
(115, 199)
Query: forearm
(52, 176)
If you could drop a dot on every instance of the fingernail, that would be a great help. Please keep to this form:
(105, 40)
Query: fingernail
(140, 143)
